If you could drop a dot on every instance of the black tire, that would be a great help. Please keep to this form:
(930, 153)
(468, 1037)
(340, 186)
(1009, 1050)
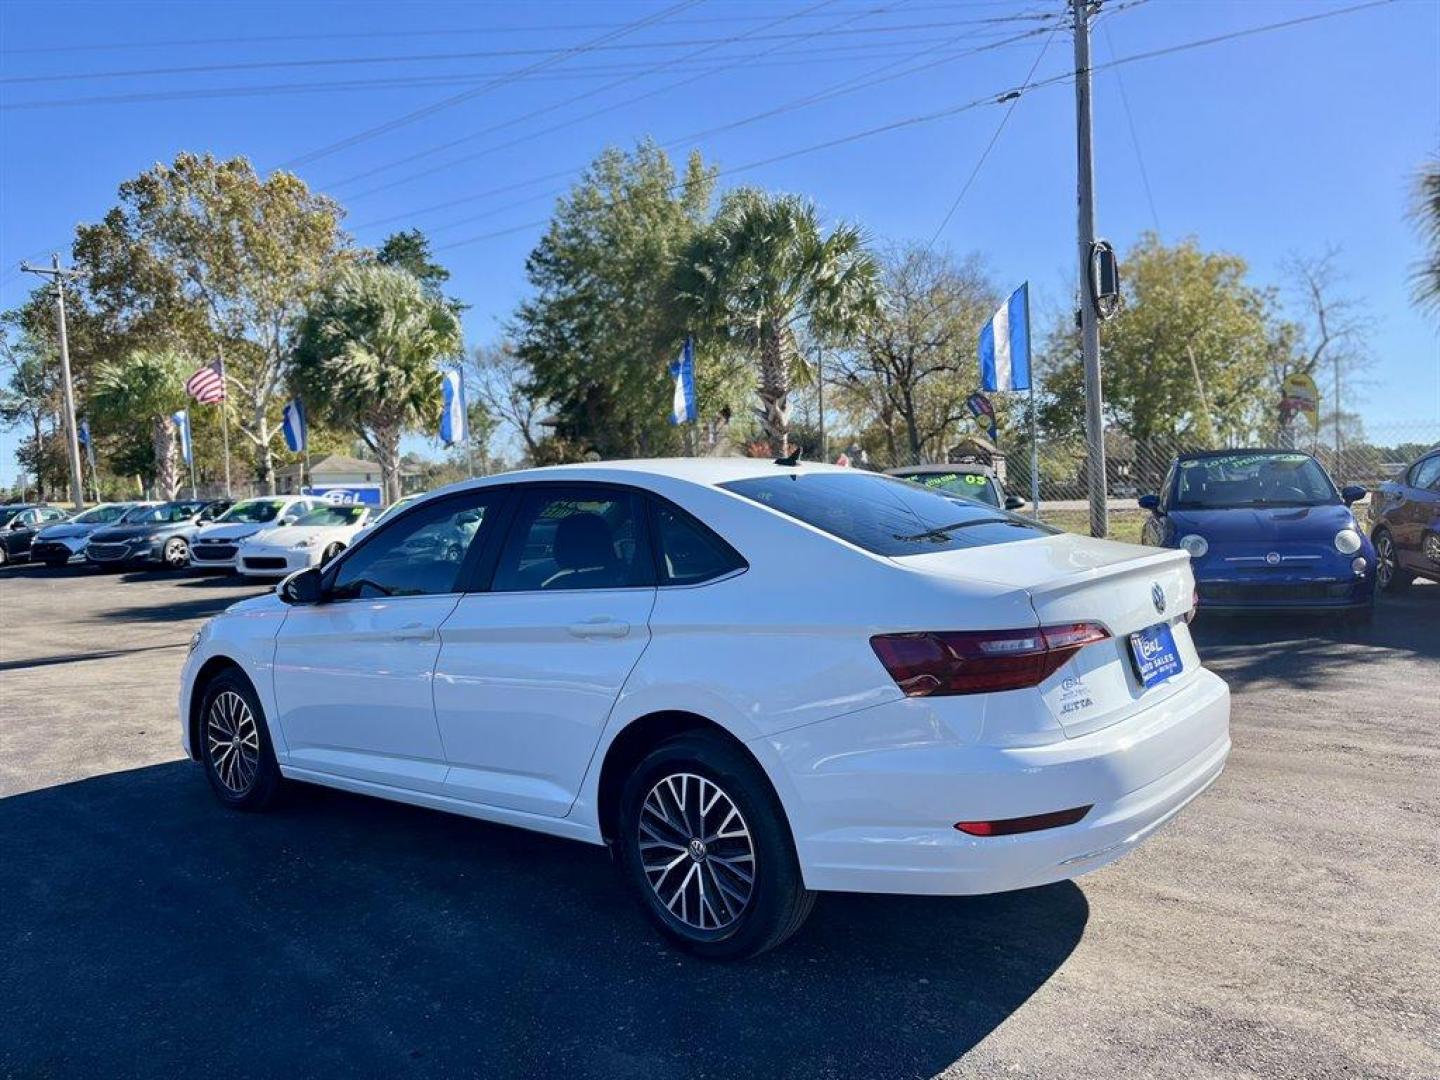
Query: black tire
(239, 780)
(1389, 577)
(777, 902)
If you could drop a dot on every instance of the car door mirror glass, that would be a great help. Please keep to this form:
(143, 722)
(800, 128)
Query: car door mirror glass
(1352, 493)
(1013, 502)
(1149, 502)
(304, 587)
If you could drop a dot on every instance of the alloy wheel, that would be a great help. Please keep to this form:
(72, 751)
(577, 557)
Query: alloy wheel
(1431, 547)
(176, 553)
(234, 742)
(697, 851)
(1385, 562)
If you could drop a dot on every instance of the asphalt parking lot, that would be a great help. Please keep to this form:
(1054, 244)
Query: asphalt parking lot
(1287, 925)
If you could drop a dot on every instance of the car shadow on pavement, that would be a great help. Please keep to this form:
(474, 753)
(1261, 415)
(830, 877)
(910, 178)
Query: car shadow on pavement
(148, 932)
(1308, 650)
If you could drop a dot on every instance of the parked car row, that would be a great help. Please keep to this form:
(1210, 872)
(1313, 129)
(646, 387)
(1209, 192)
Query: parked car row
(262, 537)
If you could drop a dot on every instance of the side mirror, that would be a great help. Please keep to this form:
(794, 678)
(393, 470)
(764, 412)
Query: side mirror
(1013, 502)
(302, 587)
(288, 519)
(1149, 502)
(1352, 493)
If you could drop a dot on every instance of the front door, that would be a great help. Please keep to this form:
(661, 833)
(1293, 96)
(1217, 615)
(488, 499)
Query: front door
(530, 668)
(352, 674)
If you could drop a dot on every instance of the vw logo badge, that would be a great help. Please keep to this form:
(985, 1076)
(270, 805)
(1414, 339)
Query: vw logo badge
(1157, 595)
(697, 850)
(1272, 558)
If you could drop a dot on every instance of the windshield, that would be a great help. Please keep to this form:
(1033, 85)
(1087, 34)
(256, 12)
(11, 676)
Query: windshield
(1252, 479)
(886, 515)
(253, 510)
(334, 515)
(101, 515)
(166, 513)
(966, 484)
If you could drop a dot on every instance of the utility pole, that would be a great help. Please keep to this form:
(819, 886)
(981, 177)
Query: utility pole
(53, 271)
(1089, 314)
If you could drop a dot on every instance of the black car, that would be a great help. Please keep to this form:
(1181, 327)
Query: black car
(160, 535)
(64, 542)
(1405, 524)
(19, 522)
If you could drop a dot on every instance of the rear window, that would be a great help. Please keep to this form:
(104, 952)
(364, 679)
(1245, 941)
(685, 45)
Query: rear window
(885, 515)
(970, 485)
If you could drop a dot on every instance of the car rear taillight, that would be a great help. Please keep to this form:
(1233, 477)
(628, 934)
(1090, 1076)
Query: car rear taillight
(1034, 823)
(936, 663)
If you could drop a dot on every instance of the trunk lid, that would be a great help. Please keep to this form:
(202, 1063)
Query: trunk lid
(1077, 579)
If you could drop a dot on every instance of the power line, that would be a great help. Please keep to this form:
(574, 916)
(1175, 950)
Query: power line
(391, 35)
(816, 56)
(1130, 123)
(955, 110)
(532, 114)
(467, 95)
(867, 79)
(343, 61)
(1000, 127)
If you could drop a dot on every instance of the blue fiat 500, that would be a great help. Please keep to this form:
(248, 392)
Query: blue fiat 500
(1266, 530)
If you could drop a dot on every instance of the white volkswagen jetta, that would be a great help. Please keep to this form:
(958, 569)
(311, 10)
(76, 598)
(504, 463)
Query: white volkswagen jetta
(753, 681)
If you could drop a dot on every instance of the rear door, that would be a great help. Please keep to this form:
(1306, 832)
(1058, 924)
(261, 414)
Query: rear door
(532, 661)
(1417, 513)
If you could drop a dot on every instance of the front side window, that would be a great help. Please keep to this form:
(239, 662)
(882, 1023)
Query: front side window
(101, 515)
(575, 538)
(1427, 474)
(1230, 481)
(689, 552)
(168, 513)
(885, 515)
(419, 555)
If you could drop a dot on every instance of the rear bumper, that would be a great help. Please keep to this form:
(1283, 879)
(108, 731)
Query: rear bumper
(890, 829)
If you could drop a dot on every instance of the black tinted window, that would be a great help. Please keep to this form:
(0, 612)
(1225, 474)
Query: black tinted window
(885, 515)
(419, 555)
(689, 552)
(580, 538)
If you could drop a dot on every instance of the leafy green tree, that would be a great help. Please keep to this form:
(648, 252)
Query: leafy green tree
(604, 323)
(1425, 213)
(913, 365)
(367, 355)
(1186, 358)
(410, 251)
(208, 256)
(764, 276)
(145, 389)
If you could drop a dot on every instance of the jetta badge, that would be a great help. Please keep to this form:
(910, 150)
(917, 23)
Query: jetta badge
(1157, 594)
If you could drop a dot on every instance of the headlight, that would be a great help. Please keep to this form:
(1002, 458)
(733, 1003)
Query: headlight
(1347, 541)
(154, 537)
(1195, 545)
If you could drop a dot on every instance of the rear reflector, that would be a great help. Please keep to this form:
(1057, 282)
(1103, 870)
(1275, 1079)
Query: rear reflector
(1034, 823)
(980, 661)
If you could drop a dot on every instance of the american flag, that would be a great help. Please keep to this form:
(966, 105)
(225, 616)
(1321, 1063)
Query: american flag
(207, 386)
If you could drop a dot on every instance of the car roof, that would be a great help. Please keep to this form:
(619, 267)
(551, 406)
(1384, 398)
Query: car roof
(1196, 454)
(973, 467)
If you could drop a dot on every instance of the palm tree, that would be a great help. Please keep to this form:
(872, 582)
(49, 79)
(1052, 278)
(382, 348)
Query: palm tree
(147, 387)
(1426, 215)
(367, 356)
(763, 273)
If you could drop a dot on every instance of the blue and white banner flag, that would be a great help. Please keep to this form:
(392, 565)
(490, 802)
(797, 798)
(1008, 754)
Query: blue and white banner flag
(452, 412)
(292, 424)
(83, 434)
(1005, 345)
(682, 403)
(181, 420)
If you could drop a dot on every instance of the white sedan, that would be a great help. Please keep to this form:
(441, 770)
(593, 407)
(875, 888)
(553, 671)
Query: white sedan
(216, 546)
(755, 681)
(313, 540)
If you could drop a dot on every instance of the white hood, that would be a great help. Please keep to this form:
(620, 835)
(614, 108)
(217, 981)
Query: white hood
(288, 536)
(230, 531)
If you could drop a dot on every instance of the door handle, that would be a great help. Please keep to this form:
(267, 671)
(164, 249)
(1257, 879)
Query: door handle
(600, 626)
(413, 632)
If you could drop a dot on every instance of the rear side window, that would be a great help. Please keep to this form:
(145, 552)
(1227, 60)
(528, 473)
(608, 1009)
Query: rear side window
(1427, 474)
(575, 538)
(884, 515)
(689, 552)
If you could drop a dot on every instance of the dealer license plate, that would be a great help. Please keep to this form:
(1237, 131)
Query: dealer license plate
(1155, 655)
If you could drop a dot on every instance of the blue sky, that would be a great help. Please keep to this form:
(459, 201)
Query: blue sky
(1272, 144)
